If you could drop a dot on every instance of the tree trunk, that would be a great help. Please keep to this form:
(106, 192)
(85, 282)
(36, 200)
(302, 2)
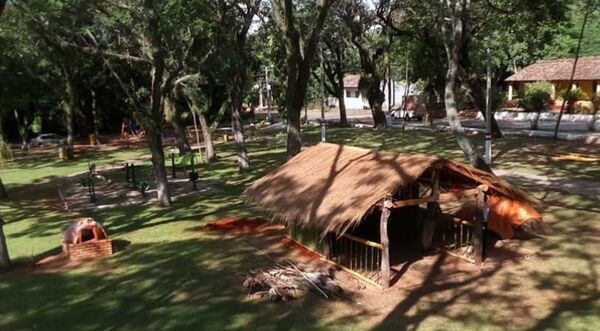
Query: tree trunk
(294, 135)
(479, 97)
(595, 117)
(379, 120)
(70, 108)
(154, 140)
(3, 193)
(452, 45)
(23, 130)
(341, 102)
(176, 121)
(300, 49)
(239, 82)
(376, 98)
(295, 93)
(4, 257)
(153, 119)
(237, 127)
(95, 117)
(207, 134)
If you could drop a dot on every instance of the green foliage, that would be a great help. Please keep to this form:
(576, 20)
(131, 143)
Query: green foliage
(565, 41)
(574, 95)
(595, 99)
(537, 96)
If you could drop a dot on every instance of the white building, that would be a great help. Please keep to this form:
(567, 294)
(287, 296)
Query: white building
(354, 100)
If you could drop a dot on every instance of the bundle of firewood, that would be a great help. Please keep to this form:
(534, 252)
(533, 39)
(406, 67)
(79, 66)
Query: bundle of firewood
(288, 283)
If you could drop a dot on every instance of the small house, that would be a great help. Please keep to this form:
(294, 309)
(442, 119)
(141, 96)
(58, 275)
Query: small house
(558, 72)
(353, 99)
(366, 210)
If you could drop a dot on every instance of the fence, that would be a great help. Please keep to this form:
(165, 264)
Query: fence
(458, 239)
(357, 254)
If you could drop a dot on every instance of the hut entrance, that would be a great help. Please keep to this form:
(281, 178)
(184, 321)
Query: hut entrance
(404, 232)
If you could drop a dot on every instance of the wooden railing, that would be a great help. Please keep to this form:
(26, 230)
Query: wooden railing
(361, 256)
(459, 239)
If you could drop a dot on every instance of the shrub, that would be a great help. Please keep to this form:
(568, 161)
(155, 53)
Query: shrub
(595, 99)
(572, 97)
(537, 97)
(576, 94)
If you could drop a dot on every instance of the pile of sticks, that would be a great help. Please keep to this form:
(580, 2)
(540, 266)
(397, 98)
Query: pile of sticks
(288, 283)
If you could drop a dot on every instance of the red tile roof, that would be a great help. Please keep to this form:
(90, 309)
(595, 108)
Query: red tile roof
(351, 80)
(588, 68)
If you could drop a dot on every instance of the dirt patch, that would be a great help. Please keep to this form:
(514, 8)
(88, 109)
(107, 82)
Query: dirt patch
(112, 190)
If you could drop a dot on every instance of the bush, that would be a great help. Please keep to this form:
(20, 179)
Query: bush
(572, 97)
(575, 95)
(537, 97)
(595, 99)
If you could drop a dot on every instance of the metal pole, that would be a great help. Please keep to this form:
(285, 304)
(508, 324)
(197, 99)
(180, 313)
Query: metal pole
(196, 130)
(133, 175)
(389, 87)
(268, 85)
(488, 110)
(562, 107)
(173, 165)
(323, 130)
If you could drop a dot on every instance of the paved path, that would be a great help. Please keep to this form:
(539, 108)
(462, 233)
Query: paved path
(572, 186)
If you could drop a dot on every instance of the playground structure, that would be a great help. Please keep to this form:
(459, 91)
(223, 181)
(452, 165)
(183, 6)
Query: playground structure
(131, 183)
(130, 129)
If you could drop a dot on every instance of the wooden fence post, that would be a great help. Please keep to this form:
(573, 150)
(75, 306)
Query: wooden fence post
(385, 243)
(4, 258)
(479, 240)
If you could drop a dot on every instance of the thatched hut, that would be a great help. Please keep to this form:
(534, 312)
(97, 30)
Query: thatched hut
(331, 190)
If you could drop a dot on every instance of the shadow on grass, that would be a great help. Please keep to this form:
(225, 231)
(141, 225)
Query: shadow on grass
(183, 285)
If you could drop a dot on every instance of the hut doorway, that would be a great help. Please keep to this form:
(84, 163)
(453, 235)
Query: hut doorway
(404, 232)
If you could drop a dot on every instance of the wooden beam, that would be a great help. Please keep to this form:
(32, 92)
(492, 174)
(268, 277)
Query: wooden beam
(457, 196)
(435, 196)
(385, 244)
(410, 202)
(479, 240)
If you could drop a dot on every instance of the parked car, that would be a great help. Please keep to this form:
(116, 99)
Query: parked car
(48, 139)
(413, 110)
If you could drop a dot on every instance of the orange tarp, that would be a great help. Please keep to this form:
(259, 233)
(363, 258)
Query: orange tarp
(505, 215)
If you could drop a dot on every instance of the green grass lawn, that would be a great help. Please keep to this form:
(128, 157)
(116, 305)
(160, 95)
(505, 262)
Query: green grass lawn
(172, 275)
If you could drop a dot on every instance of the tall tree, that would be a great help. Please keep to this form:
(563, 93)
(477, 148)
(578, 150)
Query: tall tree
(337, 59)
(452, 28)
(242, 18)
(56, 61)
(301, 35)
(373, 43)
(4, 257)
(157, 40)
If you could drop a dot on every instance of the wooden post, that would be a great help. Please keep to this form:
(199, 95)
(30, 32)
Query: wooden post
(478, 239)
(4, 258)
(431, 215)
(385, 244)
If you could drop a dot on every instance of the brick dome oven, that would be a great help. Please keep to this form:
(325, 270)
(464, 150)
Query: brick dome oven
(86, 238)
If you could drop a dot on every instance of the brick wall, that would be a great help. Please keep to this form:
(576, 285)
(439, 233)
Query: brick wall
(89, 249)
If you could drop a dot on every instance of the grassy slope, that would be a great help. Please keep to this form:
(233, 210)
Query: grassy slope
(173, 276)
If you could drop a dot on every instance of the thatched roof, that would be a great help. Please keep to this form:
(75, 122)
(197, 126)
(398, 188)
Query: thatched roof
(332, 187)
(588, 68)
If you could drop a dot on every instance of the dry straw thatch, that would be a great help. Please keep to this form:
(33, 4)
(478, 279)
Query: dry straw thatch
(332, 187)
